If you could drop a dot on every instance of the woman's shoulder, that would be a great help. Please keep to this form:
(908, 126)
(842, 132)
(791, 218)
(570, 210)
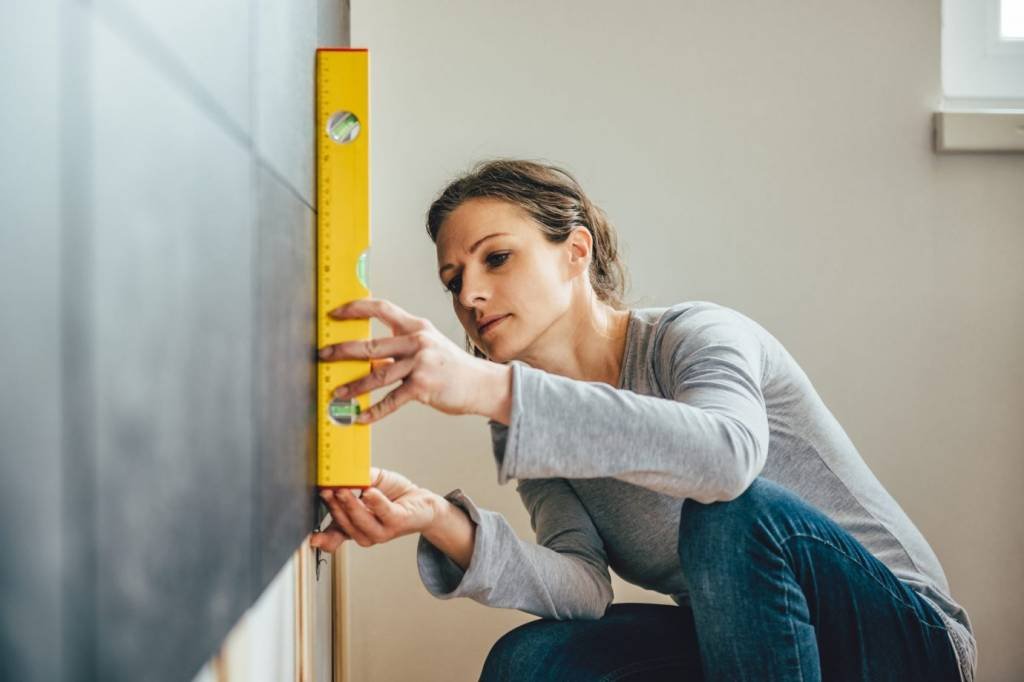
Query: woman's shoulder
(689, 330)
(687, 318)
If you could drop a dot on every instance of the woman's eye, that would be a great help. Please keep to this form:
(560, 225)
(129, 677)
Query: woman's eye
(503, 256)
(494, 259)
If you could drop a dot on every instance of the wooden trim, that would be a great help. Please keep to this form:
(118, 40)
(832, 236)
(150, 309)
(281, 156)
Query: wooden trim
(299, 615)
(318, 624)
(340, 615)
(220, 666)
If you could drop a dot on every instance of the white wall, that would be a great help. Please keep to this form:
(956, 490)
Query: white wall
(773, 157)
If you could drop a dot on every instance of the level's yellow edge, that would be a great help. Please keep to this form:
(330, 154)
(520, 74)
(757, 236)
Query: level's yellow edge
(343, 234)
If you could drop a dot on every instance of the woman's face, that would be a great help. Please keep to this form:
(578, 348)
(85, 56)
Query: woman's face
(495, 262)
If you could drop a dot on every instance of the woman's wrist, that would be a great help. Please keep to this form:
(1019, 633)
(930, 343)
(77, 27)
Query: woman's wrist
(451, 531)
(495, 398)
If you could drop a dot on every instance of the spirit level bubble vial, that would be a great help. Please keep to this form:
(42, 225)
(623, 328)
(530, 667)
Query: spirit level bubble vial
(342, 243)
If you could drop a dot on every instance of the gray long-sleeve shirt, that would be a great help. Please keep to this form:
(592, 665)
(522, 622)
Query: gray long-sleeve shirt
(707, 400)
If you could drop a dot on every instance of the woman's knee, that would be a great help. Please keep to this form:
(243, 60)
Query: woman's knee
(629, 635)
(519, 653)
(703, 527)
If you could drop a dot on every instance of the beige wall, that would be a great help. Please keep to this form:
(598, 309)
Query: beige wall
(773, 157)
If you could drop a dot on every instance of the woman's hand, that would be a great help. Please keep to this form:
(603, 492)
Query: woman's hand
(392, 507)
(432, 369)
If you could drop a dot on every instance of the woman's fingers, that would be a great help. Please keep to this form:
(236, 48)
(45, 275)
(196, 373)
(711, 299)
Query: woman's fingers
(432, 368)
(389, 483)
(357, 520)
(386, 405)
(387, 312)
(380, 375)
(362, 518)
(341, 517)
(370, 520)
(378, 347)
(329, 539)
(379, 505)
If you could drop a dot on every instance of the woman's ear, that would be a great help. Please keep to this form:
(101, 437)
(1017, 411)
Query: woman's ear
(581, 245)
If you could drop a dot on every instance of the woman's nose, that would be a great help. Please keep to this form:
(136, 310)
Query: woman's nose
(471, 291)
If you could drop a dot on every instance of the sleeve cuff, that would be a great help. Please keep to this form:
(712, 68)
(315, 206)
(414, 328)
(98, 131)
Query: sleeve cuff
(505, 439)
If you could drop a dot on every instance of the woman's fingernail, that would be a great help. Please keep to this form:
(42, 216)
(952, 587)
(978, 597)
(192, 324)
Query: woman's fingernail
(325, 353)
(340, 391)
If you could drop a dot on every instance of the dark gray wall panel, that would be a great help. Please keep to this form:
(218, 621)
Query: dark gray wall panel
(284, 333)
(172, 313)
(283, 83)
(157, 332)
(30, 414)
(333, 23)
(202, 47)
(283, 64)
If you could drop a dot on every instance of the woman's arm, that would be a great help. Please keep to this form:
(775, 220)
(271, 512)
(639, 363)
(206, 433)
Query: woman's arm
(707, 440)
(563, 575)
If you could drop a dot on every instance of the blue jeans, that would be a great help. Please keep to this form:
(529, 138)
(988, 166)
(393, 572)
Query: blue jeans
(778, 591)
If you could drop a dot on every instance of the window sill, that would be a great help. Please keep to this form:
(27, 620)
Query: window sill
(979, 130)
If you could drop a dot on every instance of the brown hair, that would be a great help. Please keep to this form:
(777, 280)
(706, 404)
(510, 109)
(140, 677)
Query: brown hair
(555, 200)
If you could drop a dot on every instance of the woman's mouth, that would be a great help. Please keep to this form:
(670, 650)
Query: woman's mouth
(492, 324)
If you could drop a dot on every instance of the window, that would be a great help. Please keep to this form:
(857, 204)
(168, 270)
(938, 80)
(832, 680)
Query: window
(1011, 20)
(983, 53)
(982, 77)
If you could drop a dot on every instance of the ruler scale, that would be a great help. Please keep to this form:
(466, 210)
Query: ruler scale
(342, 243)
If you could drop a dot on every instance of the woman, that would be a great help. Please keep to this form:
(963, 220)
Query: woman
(682, 446)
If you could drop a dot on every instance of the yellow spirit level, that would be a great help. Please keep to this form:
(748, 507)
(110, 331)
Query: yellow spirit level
(342, 243)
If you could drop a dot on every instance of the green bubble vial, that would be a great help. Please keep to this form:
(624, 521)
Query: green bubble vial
(343, 412)
(361, 266)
